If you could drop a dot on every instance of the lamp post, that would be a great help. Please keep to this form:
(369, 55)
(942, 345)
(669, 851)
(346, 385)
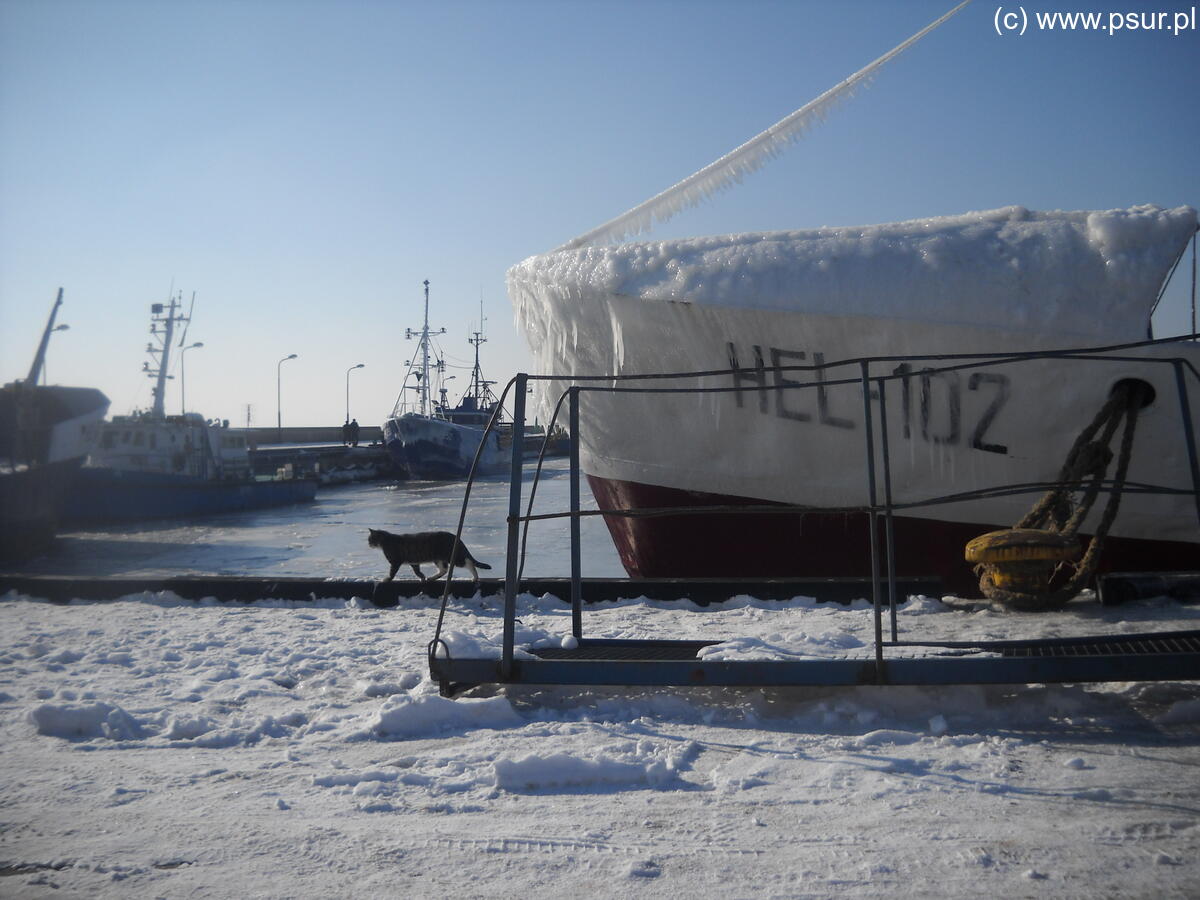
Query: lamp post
(279, 395)
(183, 376)
(348, 371)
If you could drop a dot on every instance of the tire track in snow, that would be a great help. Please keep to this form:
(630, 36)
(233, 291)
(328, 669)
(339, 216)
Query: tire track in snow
(553, 845)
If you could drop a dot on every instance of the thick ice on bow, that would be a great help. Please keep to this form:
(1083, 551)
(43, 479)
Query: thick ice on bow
(1090, 276)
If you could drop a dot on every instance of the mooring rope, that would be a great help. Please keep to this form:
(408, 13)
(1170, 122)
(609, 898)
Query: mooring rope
(1056, 514)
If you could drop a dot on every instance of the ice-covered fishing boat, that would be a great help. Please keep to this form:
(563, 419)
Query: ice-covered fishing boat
(428, 438)
(1005, 281)
(150, 465)
(841, 306)
(46, 432)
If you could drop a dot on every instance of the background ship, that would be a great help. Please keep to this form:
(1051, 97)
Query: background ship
(46, 433)
(432, 440)
(151, 465)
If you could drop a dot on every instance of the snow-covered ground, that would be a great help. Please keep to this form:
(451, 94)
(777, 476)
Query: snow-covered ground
(155, 747)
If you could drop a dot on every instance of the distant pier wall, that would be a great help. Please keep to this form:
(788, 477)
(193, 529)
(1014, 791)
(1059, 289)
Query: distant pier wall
(311, 434)
(318, 449)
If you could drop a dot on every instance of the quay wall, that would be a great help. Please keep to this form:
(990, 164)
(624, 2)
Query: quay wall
(311, 434)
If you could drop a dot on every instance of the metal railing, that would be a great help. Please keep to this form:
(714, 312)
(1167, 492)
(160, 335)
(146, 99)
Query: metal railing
(878, 466)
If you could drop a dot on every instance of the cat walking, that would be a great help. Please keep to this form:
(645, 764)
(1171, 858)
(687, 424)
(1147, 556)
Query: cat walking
(433, 547)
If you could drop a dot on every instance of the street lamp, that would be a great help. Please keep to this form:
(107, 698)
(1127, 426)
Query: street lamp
(183, 376)
(278, 395)
(348, 371)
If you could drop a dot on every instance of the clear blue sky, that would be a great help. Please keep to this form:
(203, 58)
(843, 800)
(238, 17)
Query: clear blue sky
(304, 166)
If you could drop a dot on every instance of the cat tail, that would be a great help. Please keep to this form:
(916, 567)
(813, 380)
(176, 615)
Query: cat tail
(474, 561)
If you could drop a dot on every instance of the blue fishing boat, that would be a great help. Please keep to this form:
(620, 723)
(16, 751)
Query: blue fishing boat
(150, 465)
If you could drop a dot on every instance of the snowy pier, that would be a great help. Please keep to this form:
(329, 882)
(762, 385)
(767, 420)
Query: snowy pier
(388, 594)
(719, 661)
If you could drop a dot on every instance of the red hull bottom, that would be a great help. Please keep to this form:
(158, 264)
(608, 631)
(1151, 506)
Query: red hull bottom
(814, 545)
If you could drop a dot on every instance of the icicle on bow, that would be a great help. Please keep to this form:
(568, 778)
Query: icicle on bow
(747, 158)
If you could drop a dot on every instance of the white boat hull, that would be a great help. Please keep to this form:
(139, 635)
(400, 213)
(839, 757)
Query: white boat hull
(800, 437)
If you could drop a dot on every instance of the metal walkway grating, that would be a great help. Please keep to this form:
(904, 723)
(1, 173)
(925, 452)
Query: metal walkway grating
(1049, 648)
(626, 650)
(1166, 656)
(1180, 643)
(1166, 642)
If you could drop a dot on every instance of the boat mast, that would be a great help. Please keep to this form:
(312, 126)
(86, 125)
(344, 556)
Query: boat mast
(424, 333)
(425, 356)
(39, 358)
(479, 386)
(162, 326)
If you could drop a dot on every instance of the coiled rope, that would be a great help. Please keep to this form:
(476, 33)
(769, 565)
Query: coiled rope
(1017, 567)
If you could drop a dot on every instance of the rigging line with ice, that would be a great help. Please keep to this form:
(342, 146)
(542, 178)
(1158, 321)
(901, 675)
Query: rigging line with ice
(744, 160)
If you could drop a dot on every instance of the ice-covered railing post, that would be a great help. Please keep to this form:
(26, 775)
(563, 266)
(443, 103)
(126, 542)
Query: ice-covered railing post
(888, 520)
(576, 588)
(872, 517)
(1189, 435)
(511, 580)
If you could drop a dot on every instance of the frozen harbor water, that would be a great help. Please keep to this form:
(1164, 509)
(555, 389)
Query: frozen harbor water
(328, 538)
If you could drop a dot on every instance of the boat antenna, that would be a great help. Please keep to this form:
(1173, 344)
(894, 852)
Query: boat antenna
(188, 320)
(748, 158)
(39, 358)
(1194, 235)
